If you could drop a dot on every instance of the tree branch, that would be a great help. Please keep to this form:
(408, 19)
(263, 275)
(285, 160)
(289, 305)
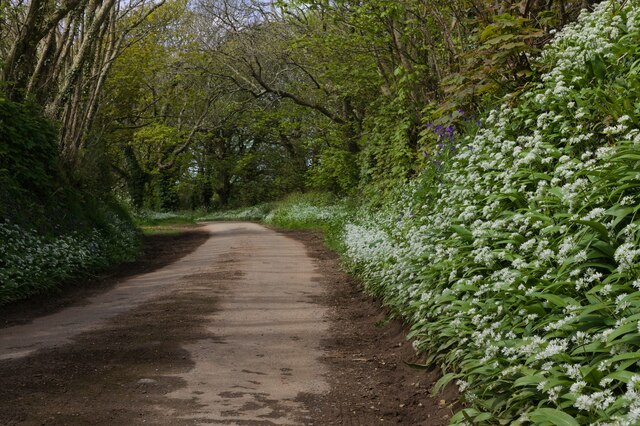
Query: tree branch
(296, 99)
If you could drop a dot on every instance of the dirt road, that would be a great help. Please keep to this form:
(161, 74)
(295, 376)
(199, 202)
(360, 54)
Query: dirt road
(244, 330)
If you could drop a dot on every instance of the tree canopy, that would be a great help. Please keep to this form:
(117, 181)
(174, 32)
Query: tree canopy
(216, 103)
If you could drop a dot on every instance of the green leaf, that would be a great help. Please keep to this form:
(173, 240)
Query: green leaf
(557, 192)
(555, 299)
(483, 417)
(620, 213)
(595, 347)
(623, 357)
(602, 249)
(417, 366)
(598, 66)
(596, 226)
(623, 376)
(443, 382)
(630, 327)
(528, 380)
(462, 232)
(553, 416)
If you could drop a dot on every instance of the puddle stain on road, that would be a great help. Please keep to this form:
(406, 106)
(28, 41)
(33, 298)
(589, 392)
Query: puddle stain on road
(271, 333)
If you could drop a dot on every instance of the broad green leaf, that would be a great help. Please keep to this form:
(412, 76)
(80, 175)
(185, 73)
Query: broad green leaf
(623, 376)
(622, 357)
(443, 382)
(528, 380)
(630, 327)
(553, 416)
(596, 226)
(555, 299)
(462, 232)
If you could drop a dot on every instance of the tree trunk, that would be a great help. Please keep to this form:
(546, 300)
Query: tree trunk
(137, 178)
(21, 60)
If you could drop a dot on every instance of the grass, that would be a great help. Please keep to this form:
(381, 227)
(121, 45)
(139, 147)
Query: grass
(164, 229)
(147, 218)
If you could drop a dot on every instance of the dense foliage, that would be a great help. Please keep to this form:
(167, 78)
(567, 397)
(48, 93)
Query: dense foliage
(58, 217)
(516, 257)
(28, 157)
(177, 104)
(50, 230)
(34, 264)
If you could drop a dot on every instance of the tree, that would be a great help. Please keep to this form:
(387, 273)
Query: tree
(339, 91)
(61, 52)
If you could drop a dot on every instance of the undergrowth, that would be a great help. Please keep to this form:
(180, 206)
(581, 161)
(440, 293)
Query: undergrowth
(153, 218)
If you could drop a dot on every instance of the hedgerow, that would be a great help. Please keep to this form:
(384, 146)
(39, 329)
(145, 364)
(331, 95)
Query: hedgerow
(32, 263)
(51, 231)
(519, 272)
(516, 257)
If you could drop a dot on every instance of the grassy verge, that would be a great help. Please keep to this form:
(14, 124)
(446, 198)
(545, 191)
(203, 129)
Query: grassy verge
(254, 213)
(150, 219)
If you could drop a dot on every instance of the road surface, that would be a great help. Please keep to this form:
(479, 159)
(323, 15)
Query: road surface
(255, 350)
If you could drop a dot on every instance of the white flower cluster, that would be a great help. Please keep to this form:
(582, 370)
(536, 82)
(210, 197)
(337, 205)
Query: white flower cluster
(31, 263)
